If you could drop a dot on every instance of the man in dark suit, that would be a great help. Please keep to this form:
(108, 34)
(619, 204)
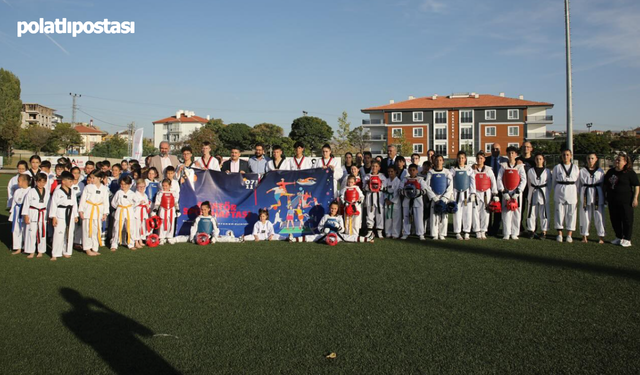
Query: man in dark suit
(494, 162)
(389, 161)
(235, 164)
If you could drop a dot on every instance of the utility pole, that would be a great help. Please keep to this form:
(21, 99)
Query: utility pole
(74, 108)
(589, 125)
(132, 129)
(567, 28)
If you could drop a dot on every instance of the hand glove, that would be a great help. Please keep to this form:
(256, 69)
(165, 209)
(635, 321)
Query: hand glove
(515, 196)
(326, 230)
(178, 213)
(496, 199)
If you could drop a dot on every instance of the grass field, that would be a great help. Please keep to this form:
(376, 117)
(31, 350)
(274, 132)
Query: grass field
(391, 307)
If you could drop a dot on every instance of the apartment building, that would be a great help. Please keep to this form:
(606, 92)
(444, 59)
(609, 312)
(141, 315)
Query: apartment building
(37, 114)
(464, 121)
(176, 129)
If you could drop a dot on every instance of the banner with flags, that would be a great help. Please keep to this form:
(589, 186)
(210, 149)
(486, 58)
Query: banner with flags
(296, 200)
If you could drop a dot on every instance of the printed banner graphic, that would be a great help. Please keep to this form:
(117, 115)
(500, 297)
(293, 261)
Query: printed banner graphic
(296, 200)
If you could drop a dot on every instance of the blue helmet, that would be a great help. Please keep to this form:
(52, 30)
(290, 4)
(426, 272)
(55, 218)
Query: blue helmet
(440, 207)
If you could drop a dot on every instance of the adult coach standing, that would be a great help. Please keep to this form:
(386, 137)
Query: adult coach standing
(235, 164)
(162, 161)
(494, 162)
(621, 191)
(258, 162)
(389, 161)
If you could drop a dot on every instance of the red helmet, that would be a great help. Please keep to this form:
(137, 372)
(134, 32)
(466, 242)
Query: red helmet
(375, 184)
(512, 204)
(203, 239)
(494, 207)
(153, 222)
(153, 240)
(331, 239)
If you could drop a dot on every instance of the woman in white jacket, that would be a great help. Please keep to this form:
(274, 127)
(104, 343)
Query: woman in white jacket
(592, 198)
(565, 178)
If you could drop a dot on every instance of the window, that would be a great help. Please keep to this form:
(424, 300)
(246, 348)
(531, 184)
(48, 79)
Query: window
(513, 114)
(440, 117)
(516, 145)
(490, 131)
(441, 149)
(514, 131)
(466, 117)
(490, 114)
(417, 116)
(441, 134)
(417, 148)
(396, 133)
(466, 133)
(487, 148)
(417, 133)
(396, 116)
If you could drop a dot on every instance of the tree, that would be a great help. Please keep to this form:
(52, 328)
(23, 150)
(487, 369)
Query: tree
(629, 145)
(236, 135)
(114, 147)
(198, 137)
(10, 110)
(360, 138)
(215, 124)
(148, 148)
(403, 145)
(35, 138)
(546, 146)
(66, 137)
(267, 134)
(585, 143)
(287, 146)
(314, 132)
(340, 142)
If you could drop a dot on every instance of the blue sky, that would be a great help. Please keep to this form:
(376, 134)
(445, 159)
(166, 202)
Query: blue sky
(267, 61)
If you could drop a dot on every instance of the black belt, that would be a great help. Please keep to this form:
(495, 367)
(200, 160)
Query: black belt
(566, 182)
(596, 196)
(544, 199)
(67, 214)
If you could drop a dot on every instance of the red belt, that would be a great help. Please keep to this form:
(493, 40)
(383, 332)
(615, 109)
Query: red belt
(142, 221)
(167, 211)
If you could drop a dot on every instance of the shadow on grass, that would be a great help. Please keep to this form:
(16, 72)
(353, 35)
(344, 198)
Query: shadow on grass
(5, 231)
(626, 273)
(112, 335)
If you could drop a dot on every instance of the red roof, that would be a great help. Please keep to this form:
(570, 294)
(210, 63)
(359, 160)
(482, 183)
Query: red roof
(444, 102)
(182, 119)
(87, 130)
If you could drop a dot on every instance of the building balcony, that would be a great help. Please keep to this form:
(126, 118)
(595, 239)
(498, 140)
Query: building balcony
(369, 122)
(539, 136)
(378, 137)
(540, 119)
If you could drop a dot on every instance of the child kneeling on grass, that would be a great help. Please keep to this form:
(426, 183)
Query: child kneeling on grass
(332, 223)
(263, 229)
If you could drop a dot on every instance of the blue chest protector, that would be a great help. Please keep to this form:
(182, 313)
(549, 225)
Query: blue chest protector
(114, 186)
(205, 225)
(332, 224)
(152, 191)
(438, 183)
(461, 180)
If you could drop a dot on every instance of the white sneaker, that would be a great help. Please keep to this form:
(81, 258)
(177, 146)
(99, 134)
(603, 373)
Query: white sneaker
(458, 236)
(466, 236)
(506, 238)
(569, 239)
(559, 238)
(442, 238)
(380, 233)
(617, 241)
(515, 238)
(422, 238)
(625, 243)
(404, 237)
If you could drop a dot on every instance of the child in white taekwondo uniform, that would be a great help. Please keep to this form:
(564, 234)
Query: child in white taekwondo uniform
(565, 178)
(207, 161)
(464, 190)
(170, 172)
(539, 180)
(592, 198)
(77, 188)
(141, 213)
(331, 223)
(34, 213)
(392, 204)
(167, 206)
(413, 188)
(124, 202)
(352, 198)
(204, 223)
(299, 161)
(439, 188)
(13, 183)
(486, 190)
(93, 209)
(374, 199)
(15, 214)
(327, 161)
(511, 182)
(263, 229)
(63, 212)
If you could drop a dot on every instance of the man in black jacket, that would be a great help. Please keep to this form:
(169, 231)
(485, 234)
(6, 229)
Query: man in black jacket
(235, 164)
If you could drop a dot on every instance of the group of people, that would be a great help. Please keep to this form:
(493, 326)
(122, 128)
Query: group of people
(130, 205)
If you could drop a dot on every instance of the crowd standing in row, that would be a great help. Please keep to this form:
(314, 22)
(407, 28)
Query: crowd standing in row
(391, 197)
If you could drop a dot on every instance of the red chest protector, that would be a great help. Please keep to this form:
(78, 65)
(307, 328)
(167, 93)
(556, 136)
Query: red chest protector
(167, 201)
(483, 182)
(511, 178)
(415, 183)
(351, 195)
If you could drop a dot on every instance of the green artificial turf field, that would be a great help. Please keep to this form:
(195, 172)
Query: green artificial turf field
(391, 307)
